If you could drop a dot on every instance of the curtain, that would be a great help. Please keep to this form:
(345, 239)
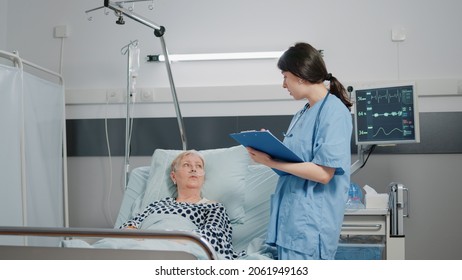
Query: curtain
(43, 111)
(31, 185)
(11, 213)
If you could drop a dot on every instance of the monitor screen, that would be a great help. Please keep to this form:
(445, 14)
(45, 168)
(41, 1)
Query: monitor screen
(386, 114)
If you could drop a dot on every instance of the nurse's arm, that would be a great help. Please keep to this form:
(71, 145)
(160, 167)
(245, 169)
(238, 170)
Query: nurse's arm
(305, 170)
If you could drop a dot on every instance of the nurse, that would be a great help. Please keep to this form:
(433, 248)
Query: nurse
(308, 205)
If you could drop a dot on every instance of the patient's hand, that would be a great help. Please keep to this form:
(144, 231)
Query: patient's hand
(133, 227)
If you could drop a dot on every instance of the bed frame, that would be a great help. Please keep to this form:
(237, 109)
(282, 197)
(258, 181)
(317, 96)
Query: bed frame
(9, 252)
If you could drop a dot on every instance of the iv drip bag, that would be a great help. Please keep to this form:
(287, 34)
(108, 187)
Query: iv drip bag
(134, 60)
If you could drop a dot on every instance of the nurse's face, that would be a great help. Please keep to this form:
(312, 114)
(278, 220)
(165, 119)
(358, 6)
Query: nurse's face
(294, 85)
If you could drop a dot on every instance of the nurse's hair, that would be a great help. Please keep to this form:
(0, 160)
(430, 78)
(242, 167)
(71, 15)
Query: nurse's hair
(306, 62)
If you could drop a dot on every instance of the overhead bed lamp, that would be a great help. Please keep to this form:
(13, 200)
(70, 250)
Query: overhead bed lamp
(215, 56)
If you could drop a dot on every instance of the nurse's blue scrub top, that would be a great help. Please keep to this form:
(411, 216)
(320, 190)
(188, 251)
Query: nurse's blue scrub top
(307, 216)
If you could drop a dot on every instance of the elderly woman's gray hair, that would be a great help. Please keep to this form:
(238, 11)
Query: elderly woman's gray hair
(177, 160)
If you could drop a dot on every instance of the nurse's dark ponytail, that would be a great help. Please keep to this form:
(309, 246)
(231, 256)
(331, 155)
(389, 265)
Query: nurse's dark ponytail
(337, 89)
(307, 63)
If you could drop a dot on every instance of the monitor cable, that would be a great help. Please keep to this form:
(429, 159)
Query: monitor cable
(371, 149)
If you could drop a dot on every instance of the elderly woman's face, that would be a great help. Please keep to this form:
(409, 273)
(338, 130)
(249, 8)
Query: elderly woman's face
(189, 173)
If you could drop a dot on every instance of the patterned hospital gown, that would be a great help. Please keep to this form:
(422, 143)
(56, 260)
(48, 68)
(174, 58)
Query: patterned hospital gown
(211, 220)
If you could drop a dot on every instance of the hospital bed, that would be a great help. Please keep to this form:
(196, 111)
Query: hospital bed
(231, 178)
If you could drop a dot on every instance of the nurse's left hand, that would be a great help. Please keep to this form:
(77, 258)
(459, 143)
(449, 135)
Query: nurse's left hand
(259, 156)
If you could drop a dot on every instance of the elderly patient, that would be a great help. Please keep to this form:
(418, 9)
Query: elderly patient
(210, 217)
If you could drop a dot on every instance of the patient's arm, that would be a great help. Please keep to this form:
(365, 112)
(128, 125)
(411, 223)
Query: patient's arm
(217, 230)
(138, 219)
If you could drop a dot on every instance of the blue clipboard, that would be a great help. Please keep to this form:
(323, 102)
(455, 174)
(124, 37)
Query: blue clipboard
(266, 142)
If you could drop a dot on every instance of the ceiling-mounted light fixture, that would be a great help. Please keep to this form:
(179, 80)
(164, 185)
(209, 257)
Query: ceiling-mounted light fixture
(216, 56)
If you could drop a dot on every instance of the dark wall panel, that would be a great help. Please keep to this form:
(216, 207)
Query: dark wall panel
(440, 133)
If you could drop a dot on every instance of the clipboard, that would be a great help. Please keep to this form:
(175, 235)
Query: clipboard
(266, 142)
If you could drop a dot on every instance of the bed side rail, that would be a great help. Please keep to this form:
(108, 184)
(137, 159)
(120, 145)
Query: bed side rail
(111, 233)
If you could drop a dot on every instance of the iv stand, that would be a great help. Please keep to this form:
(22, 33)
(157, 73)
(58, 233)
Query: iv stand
(158, 32)
(126, 50)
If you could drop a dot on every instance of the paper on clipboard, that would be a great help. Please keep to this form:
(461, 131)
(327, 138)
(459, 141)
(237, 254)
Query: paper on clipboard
(266, 142)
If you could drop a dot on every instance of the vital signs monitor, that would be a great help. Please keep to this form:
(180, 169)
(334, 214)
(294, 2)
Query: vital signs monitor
(386, 114)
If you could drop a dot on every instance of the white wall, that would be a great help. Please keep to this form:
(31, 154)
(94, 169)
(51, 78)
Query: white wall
(356, 37)
(3, 21)
(354, 34)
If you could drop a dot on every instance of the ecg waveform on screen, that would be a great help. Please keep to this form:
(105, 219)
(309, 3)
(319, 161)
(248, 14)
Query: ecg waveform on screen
(384, 132)
(387, 97)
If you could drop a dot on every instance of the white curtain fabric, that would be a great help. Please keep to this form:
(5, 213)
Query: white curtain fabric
(11, 213)
(43, 110)
(42, 116)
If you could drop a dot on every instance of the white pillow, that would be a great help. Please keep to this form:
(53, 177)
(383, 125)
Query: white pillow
(225, 173)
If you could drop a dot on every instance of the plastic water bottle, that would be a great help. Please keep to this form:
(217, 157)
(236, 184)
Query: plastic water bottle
(355, 196)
